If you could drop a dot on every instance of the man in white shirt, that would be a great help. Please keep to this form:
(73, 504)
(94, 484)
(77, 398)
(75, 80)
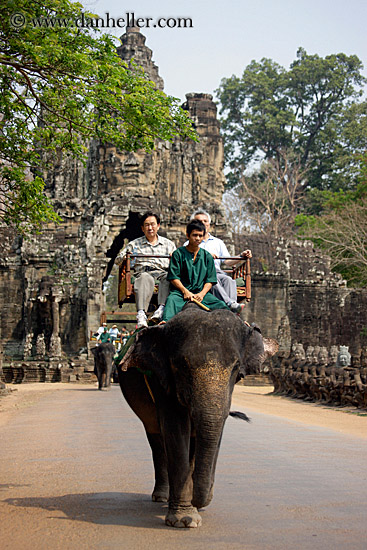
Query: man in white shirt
(148, 270)
(226, 288)
(114, 332)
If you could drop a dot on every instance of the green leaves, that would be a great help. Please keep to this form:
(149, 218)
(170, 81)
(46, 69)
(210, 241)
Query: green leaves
(340, 226)
(61, 86)
(311, 109)
(295, 143)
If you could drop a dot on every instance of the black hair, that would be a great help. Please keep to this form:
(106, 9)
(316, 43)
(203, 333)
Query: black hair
(195, 225)
(148, 215)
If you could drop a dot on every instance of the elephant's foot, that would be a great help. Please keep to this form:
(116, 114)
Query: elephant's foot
(188, 517)
(160, 493)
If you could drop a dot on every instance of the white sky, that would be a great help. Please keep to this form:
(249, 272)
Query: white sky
(227, 35)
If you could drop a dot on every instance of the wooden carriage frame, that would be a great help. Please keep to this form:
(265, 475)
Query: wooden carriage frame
(240, 269)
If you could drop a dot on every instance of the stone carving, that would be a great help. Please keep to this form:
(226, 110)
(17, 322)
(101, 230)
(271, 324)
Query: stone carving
(315, 355)
(49, 297)
(41, 346)
(133, 47)
(298, 352)
(363, 361)
(284, 334)
(323, 357)
(309, 354)
(55, 346)
(55, 341)
(28, 344)
(345, 386)
(333, 355)
(344, 357)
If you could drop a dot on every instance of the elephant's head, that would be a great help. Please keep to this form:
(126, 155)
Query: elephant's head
(195, 338)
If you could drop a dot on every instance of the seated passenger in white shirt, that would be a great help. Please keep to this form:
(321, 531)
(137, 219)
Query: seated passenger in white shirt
(226, 288)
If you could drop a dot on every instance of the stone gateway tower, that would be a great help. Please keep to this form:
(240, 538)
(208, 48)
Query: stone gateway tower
(52, 282)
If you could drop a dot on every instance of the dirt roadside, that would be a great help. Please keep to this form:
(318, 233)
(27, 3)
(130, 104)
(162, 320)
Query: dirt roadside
(20, 396)
(251, 398)
(341, 419)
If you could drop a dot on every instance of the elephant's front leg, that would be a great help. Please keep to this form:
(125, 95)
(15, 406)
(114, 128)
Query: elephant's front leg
(161, 486)
(100, 379)
(176, 430)
(136, 393)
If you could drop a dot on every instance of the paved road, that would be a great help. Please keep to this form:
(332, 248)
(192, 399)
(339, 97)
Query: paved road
(76, 474)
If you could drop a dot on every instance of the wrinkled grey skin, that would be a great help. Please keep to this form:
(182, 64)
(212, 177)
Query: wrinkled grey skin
(103, 363)
(194, 361)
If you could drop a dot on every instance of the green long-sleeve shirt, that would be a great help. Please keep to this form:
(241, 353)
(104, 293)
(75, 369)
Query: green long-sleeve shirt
(193, 275)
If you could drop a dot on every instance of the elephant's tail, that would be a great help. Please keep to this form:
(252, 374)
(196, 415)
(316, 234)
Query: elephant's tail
(240, 415)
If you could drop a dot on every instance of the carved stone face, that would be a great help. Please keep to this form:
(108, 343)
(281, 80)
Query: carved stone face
(364, 357)
(323, 356)
(333, 354)
(309, 353)
(298, 352)
(315, 355)
(343, 359)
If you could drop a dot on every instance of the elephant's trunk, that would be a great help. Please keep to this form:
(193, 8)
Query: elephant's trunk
(211, 408)
(208, 438)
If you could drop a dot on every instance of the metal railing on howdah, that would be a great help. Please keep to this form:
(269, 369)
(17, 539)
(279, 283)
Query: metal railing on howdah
(240, 269)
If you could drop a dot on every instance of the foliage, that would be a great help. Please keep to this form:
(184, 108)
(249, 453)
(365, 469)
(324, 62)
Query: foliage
(111, 289)
(341, 228)
(311, 110)
(267, 200)
(293, 138)
(342, 234)
(59, 87)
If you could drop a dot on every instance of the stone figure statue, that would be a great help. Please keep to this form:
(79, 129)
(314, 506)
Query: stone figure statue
(309, 354)
(41, 345)
(49, 297)
(323, 357)
(55, 346)
(284, 334)
(298, 352)
(344, 357)
(27, 351)
(333, 355)
(315, 355)
(364, 357)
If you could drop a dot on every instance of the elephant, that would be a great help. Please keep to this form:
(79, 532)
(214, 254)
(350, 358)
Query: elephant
(178, 378)
(103, 364)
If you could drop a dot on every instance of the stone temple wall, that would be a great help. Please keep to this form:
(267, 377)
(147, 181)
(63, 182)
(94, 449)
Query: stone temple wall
(297, 299)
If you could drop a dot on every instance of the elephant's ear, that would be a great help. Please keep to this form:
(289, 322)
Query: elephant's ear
(94, 351)
(148, 355)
